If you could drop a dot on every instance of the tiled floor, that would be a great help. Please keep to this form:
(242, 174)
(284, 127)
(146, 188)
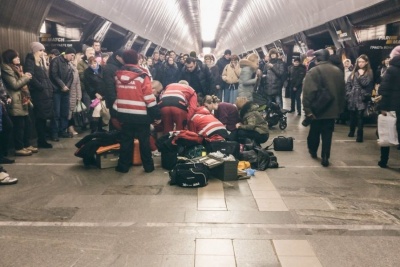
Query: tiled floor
(301, 214)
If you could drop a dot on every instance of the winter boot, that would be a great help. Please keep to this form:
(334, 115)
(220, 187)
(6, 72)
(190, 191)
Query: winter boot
(360, 136)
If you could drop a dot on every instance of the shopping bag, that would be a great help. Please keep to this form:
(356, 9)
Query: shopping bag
(387, 129)
(104, 113)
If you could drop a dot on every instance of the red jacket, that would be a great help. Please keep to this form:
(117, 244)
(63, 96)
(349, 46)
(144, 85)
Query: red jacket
(204, 123)
(135, 101)
(180, 96)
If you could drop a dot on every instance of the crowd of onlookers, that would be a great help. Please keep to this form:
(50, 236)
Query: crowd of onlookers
(168, 92)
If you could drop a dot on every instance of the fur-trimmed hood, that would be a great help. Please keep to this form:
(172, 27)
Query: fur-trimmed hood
(250, 61)
(249, 106)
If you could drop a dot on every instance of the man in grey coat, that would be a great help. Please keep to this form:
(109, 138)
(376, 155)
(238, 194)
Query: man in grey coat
(322, 125)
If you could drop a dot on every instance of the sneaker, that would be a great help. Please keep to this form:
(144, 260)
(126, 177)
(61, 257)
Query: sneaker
(156, 153)
(4, 160)
(7, 180)
(32, 149)
(23, 152)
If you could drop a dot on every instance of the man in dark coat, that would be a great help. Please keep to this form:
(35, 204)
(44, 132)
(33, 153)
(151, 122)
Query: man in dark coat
(297, 73)
(198, 76)
(61, 74)
(114, 63)
(390, 92)
(330, 77)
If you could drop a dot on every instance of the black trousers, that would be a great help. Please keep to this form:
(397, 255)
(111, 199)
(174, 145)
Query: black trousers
(356, 120)
(5, 134)
(22, 131)
(296, 101)
(41, 130)
(253, 135)
(128, 133)
(321, 129)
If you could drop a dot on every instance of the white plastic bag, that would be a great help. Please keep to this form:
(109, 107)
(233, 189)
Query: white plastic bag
(80, 106)
(387, 130)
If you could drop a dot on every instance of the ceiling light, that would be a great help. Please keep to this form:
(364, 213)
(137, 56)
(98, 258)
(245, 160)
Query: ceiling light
(210, 13)
(206, 50)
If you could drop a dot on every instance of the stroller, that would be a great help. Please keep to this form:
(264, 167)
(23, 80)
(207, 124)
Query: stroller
(273, 114)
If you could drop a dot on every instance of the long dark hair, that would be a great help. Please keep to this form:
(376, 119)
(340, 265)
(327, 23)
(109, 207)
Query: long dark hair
(367, 67)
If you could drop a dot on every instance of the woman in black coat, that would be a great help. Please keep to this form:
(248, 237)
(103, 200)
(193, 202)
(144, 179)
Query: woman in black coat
(96, 88)
(41, 89)
(390, 92)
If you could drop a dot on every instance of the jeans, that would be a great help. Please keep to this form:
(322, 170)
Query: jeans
(321, 129)
(61, 111)
(231, 93)
(5, 134)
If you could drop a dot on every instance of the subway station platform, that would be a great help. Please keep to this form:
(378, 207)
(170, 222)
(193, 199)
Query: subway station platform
(302, 214)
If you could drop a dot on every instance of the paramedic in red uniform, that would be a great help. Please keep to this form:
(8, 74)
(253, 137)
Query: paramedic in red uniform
(136, 109)
(177, 105)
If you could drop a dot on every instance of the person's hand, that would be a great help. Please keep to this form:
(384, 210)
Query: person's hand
(98, 96)
(294, 89)
(361, 72)
(9, 100)
(217, 87)
(27, 74)
(65, 89)
(311, 116)
(259, 73)
(157, 121)
(384, 112)
(269, 65)
(238, 125)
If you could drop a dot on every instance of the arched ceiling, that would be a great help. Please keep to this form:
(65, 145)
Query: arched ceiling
(245, 24)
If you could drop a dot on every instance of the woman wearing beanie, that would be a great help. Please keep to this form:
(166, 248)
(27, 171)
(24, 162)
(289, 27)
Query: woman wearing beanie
(16, 83)
(358, 91)
(41, 90)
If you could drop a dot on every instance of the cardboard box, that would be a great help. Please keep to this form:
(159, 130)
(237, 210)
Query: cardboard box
(107, 157)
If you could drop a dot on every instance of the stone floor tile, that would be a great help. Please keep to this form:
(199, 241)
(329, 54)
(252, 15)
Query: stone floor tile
(220, 247)
(208, 261)
(254, 251)
(211, 203)
(210, 194)
(241, 203)
(272, 204)
(266, 194)
(293, 248)
(262, 186)
(177, 260)
(298, 261)
(308, 203)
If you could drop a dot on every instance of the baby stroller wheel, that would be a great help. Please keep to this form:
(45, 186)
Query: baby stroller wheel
(282, 125)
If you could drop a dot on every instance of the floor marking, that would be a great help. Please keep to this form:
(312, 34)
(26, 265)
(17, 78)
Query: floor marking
(350, 227)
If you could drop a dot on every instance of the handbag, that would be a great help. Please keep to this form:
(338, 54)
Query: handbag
(323, 99)
(80, 115)
(282, 143)
(105, 113)
(189, 175)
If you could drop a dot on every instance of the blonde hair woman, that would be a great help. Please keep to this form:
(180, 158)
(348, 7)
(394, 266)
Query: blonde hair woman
(41, 90)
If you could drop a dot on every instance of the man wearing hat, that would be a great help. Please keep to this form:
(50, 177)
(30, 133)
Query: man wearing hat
(310, 59)
(114, 63)
(61, 74)
(323, 75)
